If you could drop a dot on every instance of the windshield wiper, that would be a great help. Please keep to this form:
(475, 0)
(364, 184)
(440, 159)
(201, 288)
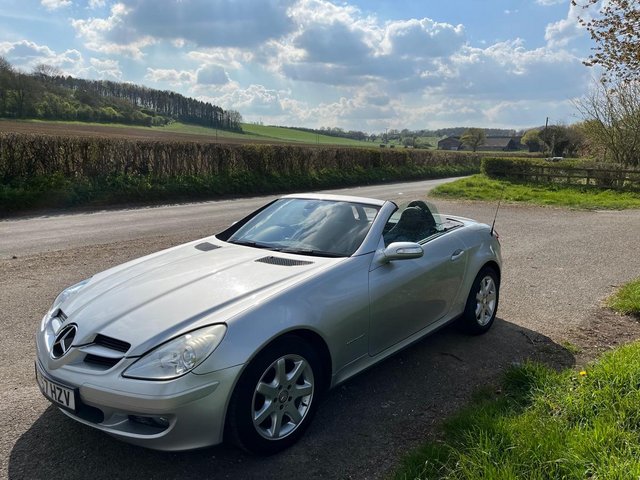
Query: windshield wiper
(249, 243)
(308, 251)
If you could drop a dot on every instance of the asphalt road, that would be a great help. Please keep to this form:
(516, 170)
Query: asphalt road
(559, 265)
(57, 231)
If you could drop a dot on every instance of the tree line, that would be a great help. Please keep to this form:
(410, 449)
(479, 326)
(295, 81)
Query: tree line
(47, 94)
(400, 136)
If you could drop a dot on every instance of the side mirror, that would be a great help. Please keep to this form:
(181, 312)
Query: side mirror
(402, 251)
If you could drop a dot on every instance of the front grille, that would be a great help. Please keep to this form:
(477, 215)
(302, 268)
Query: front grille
(101, 361)
(104, 352)
(283, 262)
(112, 343)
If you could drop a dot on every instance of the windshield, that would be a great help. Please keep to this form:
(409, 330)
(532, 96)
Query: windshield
(308, 227)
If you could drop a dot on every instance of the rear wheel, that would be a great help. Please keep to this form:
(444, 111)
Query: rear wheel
(276, 397)
(482, 303)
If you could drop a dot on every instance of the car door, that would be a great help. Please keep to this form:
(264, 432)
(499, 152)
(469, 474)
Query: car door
(409, 295)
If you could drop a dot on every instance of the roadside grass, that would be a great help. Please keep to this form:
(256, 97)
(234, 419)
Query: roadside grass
(480, 187)
(544, 424)
(627, 299)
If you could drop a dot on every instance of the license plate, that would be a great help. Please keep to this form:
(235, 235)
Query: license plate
(58, 394)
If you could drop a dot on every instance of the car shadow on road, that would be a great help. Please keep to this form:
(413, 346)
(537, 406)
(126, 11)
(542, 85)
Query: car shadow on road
(361, 430)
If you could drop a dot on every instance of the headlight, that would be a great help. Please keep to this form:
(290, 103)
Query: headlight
(60, 299)
(177, 356)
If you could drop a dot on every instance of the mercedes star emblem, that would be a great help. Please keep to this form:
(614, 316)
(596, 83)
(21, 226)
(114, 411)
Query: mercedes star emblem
(63, 341)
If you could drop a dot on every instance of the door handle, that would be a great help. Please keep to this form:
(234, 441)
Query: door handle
(456, 255)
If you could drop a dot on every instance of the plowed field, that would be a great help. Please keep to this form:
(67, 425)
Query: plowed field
(139, 133)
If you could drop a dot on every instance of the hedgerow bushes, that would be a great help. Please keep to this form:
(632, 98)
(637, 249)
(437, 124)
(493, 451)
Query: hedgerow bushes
(567, 172)
(53, 171)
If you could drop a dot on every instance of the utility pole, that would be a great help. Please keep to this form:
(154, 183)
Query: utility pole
(546, 125)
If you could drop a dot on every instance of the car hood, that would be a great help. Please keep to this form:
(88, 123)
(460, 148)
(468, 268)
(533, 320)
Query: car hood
(152, 299)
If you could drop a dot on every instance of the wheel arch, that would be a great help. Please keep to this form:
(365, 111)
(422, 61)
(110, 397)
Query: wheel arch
(493, 265)
(319, 345)
(314, 340)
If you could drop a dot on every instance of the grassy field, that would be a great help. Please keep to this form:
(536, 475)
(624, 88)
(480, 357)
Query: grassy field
(544, 424)
(627, 299)
(479, 187)
(176, 131)
(252, 133)
(298, 136)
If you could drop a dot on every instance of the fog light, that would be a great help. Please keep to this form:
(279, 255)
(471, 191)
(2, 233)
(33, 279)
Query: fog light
(157, 422)
(162, 421)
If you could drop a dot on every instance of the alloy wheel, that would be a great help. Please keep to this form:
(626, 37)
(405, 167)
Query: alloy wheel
(282, 397)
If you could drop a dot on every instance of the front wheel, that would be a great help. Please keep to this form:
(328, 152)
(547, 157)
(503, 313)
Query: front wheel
(482, 303)
(276, 397)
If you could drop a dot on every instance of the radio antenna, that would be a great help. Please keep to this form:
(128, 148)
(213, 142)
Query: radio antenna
(497, 208)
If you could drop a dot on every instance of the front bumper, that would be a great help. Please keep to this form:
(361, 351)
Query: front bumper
(181, 414)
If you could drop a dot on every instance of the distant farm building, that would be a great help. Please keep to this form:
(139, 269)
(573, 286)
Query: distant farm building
(504, 143)
(450, 143)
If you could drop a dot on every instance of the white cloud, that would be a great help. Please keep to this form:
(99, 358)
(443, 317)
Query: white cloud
(26, 55)
(171, 76)
(336, 45)
(95, 31)
(205, 23)
(55, 4)
(344, 66)
(548, 3)
(423, 38)
(560, 33)
(106, 68)
(507, 70)
(257, 99)
(212, 75)
(233, 58)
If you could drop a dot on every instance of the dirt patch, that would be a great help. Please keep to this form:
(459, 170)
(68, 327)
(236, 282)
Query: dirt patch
(603, 331)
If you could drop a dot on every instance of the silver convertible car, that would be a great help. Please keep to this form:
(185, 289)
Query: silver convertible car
(238, 335)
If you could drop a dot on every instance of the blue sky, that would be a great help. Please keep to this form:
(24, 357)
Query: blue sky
(363, 64)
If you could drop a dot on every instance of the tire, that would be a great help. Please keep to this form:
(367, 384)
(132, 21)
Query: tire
(482, 303)
(276, 397)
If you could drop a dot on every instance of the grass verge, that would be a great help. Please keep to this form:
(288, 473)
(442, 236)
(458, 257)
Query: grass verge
(480, 187)
(627, 299)
(544, 425)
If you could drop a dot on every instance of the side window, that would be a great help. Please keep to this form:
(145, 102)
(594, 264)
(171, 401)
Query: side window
(412, 222)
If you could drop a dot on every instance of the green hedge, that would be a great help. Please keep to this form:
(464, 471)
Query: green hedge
(567, 172)
(511, 167)
(57, 171)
